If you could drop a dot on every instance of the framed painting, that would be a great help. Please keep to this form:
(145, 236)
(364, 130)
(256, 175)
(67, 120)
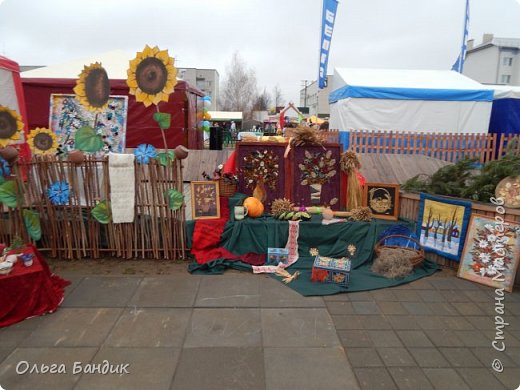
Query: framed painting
(316, 176)
(491, 253)
(442, 225)
(382, 199)
(205, 202)
(262, 170)
(67, 116)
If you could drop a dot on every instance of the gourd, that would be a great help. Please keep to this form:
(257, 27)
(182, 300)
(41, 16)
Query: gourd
(254, 207)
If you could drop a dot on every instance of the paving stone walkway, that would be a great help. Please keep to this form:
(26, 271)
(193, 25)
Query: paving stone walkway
(242, 331)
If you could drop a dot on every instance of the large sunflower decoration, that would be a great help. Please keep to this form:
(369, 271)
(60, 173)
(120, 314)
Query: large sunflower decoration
(93, 88)
(42, 141)
(152, 76)
(11, 126)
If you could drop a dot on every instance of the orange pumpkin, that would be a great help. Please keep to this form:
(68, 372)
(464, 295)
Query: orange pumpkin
(254, 207)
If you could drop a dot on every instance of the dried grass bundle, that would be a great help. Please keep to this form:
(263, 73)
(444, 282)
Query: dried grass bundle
(362, 214)
(303, 135)
(349, 162)
(393, 263)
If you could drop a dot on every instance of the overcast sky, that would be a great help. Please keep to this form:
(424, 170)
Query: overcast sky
(278, 38)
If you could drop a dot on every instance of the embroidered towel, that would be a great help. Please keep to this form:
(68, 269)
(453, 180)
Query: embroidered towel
(122, 187)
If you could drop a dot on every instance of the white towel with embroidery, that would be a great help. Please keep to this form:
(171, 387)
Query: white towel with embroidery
(122, 187)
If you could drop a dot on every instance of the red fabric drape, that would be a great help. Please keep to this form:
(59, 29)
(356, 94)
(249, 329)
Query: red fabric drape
(29, 291)
(206, 240)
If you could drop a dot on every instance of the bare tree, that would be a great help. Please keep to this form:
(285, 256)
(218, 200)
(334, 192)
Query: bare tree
(278, 99)
(262, 101)
(238, 92)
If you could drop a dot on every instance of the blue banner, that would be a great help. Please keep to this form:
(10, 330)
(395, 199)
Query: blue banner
(459, 64)
(327, 26)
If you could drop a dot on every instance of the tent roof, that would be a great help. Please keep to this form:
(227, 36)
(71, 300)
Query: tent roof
(225, 115)
(406, 84)
(6, 63)
(505, 91)
(115, 62)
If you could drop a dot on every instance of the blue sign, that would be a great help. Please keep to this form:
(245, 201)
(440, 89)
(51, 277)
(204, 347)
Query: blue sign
(458, 66)
(327, 26)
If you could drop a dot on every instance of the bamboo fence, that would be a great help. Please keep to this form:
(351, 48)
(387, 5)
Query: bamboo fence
(69, 231)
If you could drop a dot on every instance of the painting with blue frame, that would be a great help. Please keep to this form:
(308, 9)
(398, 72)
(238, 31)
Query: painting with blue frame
(442, 224)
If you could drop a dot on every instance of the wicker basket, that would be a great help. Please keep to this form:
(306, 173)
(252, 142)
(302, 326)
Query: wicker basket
(402, 242)
(226, 189)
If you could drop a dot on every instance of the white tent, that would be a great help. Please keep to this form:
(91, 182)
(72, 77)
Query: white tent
(408, 100)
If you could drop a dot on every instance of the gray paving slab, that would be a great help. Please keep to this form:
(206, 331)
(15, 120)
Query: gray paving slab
(355, 338)
(384, 338)
(444, 338)
(430, 323)
(362, 296)
(383, 295)
(148, 368)
(4, 352)
(74, 327)
(375, 322)
(150, 327)
(396, 357)
(364, 357)
(428, 357)
(74, 282)
(431, 296)
(276, 294)
(514, 354)
(442, 309)
(482, 322)
(509, 378)
(220, 368)
(237, 290)
(480, 378)
(365, 308)
(308, 368)
(445, 379)
(391, 308)
(339, 307)
(102, 291)
(456, 323)
(298, 328)
(13, 337)
(374, 378)
(410, 378)
(344, 322)
(417, 308)
(421, 284)
(39, 357)
(486, 355)
(224, 327)
(468, 308)
(166, 291)
(460, 357)
(403, 322)
(408, 295)
(473, 338)
(443, 283)
(455, 296)
(414, 338)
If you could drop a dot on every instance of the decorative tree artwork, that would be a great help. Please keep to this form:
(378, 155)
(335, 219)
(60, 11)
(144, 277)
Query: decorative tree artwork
(316, 175)
(316, 170)
(491, 253)
(442, 225)
(68, 118)
(261, 171)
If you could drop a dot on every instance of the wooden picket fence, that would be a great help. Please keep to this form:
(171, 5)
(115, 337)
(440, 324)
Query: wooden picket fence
(70, 231)
(444, 146)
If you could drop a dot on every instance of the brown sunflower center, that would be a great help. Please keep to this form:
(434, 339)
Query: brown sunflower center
(151, 75)
(7, 125)
(43, 141)
(97, 87)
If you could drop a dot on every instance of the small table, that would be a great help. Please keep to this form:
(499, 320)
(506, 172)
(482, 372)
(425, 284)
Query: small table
(29, 291)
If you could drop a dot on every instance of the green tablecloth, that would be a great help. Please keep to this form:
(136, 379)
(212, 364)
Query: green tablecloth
(256, 235)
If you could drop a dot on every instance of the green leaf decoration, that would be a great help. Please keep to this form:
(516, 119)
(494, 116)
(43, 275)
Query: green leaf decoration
(166, 158)
(102, 212)
(175, 199)
(87, 140)
(8, 194)
(32, 224)
(2, 179)
(163, 119)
